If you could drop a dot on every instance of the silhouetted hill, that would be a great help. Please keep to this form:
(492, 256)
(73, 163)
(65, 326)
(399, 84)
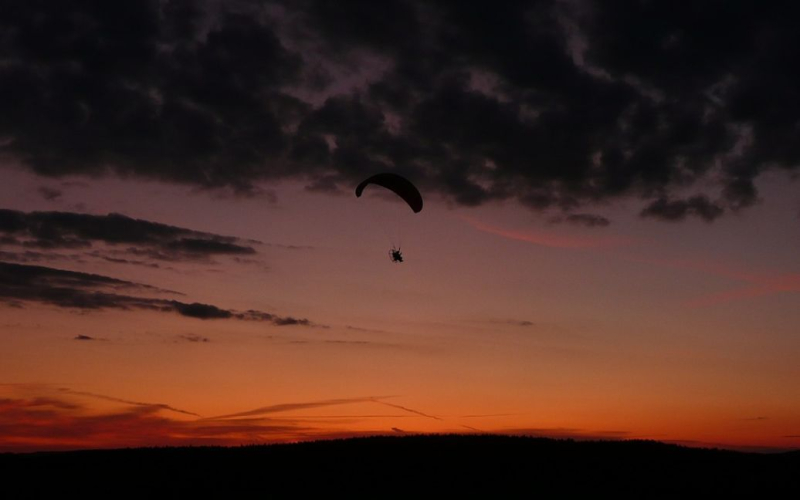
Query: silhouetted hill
(421, 466)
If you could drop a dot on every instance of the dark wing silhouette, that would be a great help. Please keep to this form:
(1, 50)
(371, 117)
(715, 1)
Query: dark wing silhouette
(399, 185)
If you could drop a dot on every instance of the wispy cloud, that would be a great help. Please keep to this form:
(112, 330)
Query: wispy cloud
(124, 235)
(469, 427)
(266, 410)
(716, 268)
(61, 419)
(92, 292)
(549, 238)
(786, 283)
(757, 282)
(85, 338)
(404, 408)
(30, 425)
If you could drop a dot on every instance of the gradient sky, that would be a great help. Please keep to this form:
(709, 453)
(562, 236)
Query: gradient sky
(608, 247)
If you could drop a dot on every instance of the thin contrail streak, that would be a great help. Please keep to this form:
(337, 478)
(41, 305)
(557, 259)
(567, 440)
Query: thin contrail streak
(126, 401)
(407, 409)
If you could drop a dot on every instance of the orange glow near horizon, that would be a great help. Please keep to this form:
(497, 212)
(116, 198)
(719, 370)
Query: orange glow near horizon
(59, 423)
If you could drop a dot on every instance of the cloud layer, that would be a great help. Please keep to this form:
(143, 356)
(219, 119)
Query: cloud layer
(21, 284)
(48, 420)
(51, 231)
(552, 103)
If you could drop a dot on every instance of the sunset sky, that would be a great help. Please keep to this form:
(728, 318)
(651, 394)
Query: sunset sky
(608, 247)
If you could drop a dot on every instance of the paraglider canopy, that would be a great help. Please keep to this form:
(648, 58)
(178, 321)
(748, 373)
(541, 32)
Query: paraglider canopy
(399, 185)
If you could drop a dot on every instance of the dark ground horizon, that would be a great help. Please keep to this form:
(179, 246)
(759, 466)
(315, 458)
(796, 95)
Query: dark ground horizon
(422, 465)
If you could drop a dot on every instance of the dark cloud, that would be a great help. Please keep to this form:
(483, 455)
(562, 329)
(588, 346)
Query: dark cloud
(587, 220)
(84, 337)
(67, 230)
(193, 337)
(289, 321)
(201, 311)
(677, 210)
(152, 89)
(512, 322)
(134, 262)
(32, 256)
(521, 323)
(554, 104)
(22, 278)
(195, 246)
(75, 290)
(251, 315)
(50, 194)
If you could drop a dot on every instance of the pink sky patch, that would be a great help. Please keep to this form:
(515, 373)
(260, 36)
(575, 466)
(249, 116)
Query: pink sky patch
(550, 239)
(759, 282)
